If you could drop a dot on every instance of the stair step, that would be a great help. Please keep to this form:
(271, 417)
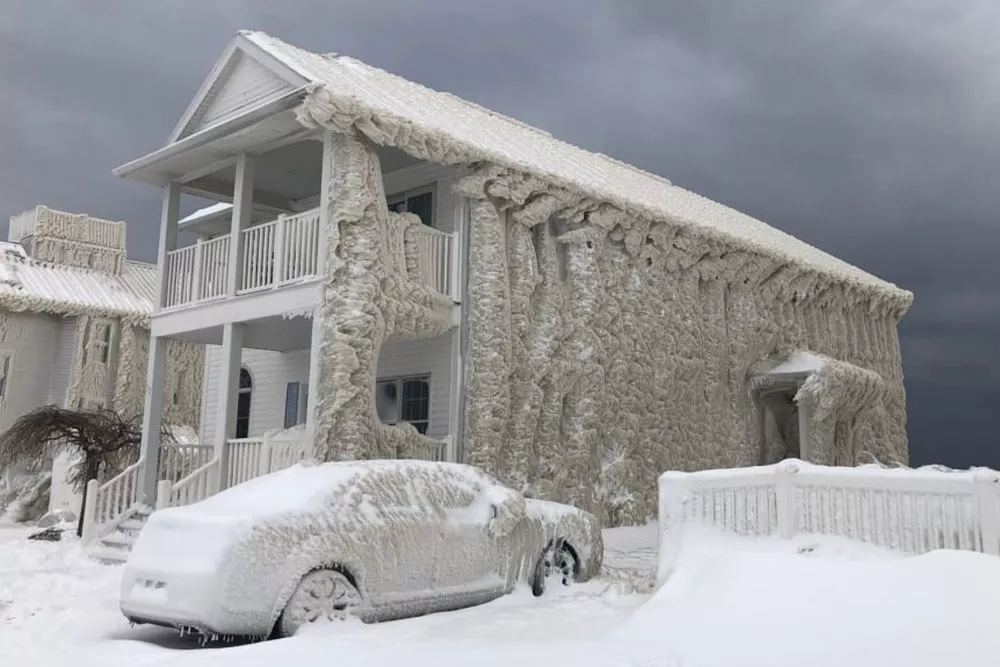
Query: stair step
(119, 539)
(108, 555)
(134, 524)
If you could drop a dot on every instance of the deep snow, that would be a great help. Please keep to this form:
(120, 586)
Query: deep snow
(733, 601)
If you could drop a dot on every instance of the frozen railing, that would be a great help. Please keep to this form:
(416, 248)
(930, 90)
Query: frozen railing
(913, 511)
(200, 484)
(105, 505)
(177, 461)
(252, 457)
(436, 259)
(180, 276)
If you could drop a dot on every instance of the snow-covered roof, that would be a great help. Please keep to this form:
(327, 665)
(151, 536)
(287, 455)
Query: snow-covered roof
(464, 131)
(206, 212)
(42, 287)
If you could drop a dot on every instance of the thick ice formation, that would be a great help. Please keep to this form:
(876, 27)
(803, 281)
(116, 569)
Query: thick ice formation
(444, 535)
(368, 297)
(611, 330)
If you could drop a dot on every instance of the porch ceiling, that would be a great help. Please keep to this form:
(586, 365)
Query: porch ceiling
(279, 334)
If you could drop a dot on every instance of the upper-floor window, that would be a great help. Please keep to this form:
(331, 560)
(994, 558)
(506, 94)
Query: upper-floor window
(419, 202)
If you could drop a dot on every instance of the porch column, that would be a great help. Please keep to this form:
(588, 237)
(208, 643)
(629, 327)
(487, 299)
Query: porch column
(316, 340)
(156, 365)
(242, 205)
(312, 397)
(232, 353)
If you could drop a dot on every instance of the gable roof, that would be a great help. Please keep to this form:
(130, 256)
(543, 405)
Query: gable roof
(27, 285)
(463, 131)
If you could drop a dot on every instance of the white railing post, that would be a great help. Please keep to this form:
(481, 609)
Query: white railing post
(164, 489)
(785, 498)
(90, 513)
(675, 493)
(264, 458)
(986, 488)
(196, 272)
(278, 270)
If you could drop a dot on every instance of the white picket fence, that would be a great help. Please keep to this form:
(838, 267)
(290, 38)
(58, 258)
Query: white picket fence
(913, 511)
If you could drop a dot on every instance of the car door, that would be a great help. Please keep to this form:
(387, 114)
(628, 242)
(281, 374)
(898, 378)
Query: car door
(400, 529)
(469, 568)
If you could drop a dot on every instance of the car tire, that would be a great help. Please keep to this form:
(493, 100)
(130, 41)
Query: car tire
(323, 594)
(556, 560)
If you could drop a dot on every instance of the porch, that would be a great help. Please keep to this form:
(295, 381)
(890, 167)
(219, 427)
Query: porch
(265, 425)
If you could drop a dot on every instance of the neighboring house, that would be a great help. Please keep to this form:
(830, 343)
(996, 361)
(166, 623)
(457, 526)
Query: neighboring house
(411, 275)
(74, 326)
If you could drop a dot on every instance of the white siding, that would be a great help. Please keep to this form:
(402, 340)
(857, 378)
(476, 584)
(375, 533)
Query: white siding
(249, 84)
(271, 371)
(34, 341)
(267, 402)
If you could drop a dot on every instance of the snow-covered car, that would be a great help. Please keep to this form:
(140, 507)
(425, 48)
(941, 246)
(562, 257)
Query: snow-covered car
(376, 540)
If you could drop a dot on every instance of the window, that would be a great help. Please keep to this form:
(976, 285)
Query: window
(6, 359)
(404, 400)
(243, 404)
(291, 404)
(296, 400)
(419, 202)
(101, 341)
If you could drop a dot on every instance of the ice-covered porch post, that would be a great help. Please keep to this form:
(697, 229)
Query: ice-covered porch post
(316, 339)
(232, 332)
(152, 412)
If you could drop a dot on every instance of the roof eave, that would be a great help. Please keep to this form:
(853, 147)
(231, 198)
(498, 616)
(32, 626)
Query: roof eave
(149, 167)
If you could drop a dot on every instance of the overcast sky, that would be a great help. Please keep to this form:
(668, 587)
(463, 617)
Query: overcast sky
(869, 129)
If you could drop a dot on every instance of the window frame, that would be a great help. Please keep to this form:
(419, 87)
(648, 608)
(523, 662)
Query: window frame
(240, 390)
(399, 380)
(403, 196)
(102, 340)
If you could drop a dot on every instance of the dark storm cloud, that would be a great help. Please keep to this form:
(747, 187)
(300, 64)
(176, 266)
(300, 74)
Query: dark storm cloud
(867, 129)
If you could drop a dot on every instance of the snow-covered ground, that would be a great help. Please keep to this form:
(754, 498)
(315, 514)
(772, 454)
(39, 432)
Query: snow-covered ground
(732, 602)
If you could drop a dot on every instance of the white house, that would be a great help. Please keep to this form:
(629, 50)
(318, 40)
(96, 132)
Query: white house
(74, 326)
(413, 275)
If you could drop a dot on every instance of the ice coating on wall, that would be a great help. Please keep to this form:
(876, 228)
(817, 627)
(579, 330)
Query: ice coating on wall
(606, 346)
(368, 296)
(631, 343)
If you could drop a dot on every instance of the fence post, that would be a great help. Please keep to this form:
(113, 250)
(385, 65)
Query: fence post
(89, 532)
(264, 460)
(164, 489)
(785, 498)
(986, 488)
(675, 493)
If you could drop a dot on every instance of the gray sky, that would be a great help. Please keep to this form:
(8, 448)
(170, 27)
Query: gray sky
(871, 130)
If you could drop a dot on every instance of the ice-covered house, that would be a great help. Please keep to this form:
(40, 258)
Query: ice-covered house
(409, 274)
(74, 326)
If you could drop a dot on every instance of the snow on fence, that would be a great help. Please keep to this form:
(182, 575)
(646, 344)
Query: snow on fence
(106, 504)
(177, 461)
(913, 511)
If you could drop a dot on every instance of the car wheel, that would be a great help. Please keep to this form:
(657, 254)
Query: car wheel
(321, 595)
(557, 563)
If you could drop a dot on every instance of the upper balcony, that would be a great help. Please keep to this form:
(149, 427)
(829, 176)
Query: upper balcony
(283, 252)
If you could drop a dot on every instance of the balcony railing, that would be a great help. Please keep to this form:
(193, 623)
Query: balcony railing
(283, 252)
(276, 253)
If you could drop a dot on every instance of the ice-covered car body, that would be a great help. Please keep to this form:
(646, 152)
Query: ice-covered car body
(413, 537)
